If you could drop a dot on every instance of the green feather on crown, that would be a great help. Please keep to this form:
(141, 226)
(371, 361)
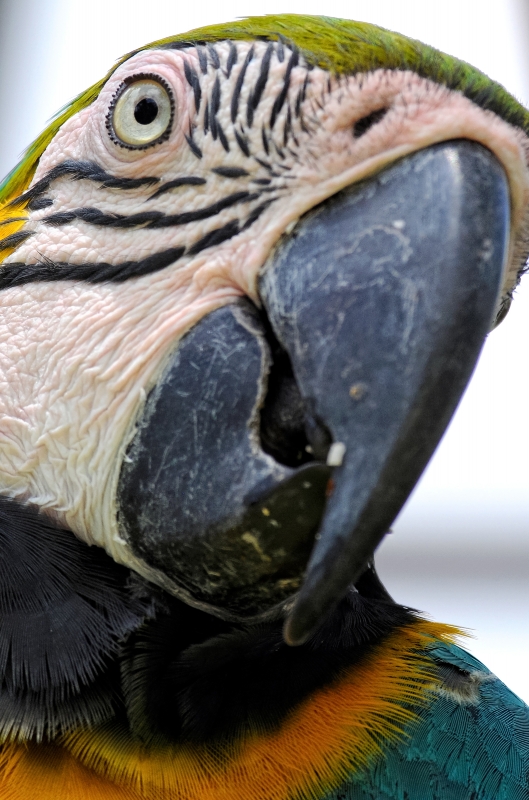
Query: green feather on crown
(338, 45)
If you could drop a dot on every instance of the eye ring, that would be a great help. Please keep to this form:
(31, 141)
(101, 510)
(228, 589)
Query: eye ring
(141, 112)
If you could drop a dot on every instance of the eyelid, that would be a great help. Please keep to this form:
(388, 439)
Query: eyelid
(126, 84)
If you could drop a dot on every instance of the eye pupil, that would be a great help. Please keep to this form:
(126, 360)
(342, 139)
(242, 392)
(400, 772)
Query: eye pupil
(146, 111)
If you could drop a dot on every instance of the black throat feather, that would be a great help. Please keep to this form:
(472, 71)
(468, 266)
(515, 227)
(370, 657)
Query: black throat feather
(84, 641)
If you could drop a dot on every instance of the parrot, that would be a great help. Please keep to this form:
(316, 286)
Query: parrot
(245, 280)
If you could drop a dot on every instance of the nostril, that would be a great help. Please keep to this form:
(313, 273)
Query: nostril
(362, 125)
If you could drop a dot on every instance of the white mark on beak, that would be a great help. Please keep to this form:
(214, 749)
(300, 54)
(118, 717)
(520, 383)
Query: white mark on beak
(336, 454)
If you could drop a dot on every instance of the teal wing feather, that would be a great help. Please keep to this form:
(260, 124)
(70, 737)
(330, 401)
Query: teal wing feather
(474, 748)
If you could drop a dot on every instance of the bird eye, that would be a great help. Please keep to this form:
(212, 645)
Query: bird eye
(141, 113)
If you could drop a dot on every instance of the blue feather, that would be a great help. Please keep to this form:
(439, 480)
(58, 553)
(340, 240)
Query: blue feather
(473, 747)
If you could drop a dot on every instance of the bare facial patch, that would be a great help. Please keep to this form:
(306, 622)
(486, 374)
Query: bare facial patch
(134, 235)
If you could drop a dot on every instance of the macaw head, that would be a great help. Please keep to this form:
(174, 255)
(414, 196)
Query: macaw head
(245, 280)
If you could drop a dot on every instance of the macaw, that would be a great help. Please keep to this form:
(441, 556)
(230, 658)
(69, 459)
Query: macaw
(245, 279)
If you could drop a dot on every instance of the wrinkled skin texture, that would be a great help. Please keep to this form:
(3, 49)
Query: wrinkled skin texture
(109, 686)
(66, 418)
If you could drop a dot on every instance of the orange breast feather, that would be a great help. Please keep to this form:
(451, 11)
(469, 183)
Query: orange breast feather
(338, 730)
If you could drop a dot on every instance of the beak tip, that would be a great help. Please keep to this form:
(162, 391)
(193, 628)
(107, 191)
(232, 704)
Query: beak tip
(308, 613)
(294, 634)
(412, 334)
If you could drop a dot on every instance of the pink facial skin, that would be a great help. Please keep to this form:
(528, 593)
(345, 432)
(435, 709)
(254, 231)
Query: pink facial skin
(77, 359)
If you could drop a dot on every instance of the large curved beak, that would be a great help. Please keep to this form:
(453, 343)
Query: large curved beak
(277, 449)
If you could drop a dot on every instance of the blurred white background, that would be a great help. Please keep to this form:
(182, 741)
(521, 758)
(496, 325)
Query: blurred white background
(460, 548)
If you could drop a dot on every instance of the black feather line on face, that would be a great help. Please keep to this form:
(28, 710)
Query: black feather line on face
(301, 95)
(280, 99)
(264, 138)
(194, 81)
(279, 152)
(185, 180)
(10, 220)
(242, 141)
(202, 60)
(14, 240)
(230, 172)
(232, 59)
(256, 212)
(222, 137)
(215, 106)
(65, 609)
(214, 56)
(39, 203)
(148, 219)
(268, 167)
(257, 93)
(195, 149)
(234, 107)
(17, 274)
(287, 130)
(82, 170)
(216, 237)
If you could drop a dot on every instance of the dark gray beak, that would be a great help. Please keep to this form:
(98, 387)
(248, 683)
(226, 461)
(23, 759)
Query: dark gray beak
(278, 447)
